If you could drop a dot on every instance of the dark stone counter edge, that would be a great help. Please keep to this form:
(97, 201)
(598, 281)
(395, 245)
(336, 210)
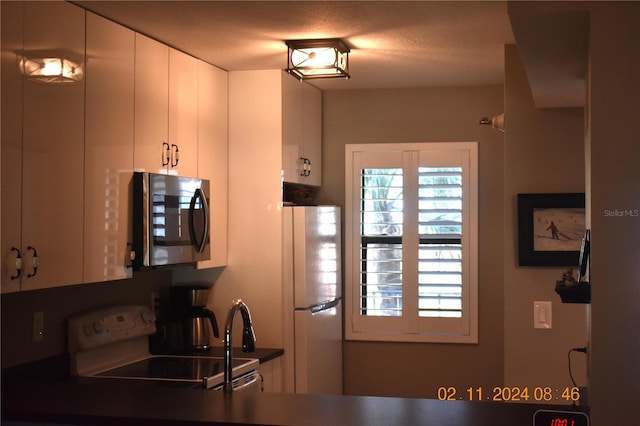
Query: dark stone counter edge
(141, 403)
(30, 396)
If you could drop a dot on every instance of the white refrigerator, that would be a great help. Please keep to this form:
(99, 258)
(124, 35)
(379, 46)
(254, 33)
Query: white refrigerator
(312, 300)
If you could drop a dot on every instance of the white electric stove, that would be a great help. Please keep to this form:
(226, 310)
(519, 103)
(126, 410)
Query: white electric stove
(112, 343)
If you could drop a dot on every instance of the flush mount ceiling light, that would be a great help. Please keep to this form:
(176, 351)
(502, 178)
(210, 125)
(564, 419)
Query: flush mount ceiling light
(51, 70)
(318, 58)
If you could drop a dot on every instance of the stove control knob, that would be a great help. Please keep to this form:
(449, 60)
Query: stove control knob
(147, 317)
(93, 328)
(98, 327)
(88, 330)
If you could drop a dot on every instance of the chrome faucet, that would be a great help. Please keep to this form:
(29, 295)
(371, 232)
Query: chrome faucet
(248, 340)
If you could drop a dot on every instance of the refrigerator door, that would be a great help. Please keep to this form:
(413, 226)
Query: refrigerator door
(318, 351)
(312, 277)
(316, 255)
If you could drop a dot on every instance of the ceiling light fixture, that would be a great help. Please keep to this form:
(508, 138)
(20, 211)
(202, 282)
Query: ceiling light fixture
(51, 70)
(318, 58)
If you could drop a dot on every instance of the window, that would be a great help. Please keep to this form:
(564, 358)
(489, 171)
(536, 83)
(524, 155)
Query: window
(411, 242)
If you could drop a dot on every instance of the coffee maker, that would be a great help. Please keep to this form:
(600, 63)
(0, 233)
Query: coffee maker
(196, 323)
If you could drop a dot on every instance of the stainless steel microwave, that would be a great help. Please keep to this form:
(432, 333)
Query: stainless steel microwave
(170, 220)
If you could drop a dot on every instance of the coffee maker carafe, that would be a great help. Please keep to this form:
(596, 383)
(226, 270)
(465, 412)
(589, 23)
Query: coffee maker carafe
(197, 322)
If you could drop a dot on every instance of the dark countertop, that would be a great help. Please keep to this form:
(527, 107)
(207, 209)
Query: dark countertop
(29, 395)
(262, 354)
(141, 403)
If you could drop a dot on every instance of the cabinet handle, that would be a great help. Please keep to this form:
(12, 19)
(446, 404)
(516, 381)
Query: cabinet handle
(175, 154)
(130, 256)
(34, 262)
(305, 169)
(18, 264)
(166, 154)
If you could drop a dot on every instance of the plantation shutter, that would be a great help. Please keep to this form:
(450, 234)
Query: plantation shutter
(412, 267)
(440, 249)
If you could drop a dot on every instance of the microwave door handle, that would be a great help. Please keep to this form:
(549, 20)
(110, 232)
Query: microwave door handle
(205, 229)
(205, 210)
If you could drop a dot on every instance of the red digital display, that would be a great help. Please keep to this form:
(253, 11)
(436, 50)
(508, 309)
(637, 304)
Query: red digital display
(560, 418)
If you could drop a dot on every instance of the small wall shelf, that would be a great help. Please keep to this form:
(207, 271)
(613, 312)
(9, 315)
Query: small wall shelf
(578, 293)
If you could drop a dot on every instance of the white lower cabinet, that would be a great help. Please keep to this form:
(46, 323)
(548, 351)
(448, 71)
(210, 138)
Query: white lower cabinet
(109, 116)
(271, 372)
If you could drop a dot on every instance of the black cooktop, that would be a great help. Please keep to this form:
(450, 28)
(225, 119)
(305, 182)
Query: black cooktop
(172, 368)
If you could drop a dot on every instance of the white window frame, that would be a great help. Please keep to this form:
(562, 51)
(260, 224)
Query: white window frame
(412, 328)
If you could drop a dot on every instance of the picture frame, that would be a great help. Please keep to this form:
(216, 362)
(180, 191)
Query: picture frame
(585, 252)
(551, 228)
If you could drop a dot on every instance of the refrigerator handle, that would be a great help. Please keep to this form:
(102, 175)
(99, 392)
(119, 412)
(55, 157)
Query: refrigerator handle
(324, 306)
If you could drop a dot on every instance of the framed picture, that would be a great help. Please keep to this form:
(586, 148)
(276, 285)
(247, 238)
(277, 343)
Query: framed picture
(551, 228)
(583, 261)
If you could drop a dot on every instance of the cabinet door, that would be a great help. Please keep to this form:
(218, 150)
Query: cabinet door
(213, 100)
(301, 132)
(312, 134)
(271, 372)
(109, 79)
(183, 113)
(11, 142)
(53, 151)
(151, 105)
(292, 127)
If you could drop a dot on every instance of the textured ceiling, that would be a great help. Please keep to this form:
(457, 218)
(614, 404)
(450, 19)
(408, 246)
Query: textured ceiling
(394, 43)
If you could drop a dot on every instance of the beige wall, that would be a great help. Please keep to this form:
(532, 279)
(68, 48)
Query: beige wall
(425, 115)
(57, 304)
(544, 153)
(614, 153)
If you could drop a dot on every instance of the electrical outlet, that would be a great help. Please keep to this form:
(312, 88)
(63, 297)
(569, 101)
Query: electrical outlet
(155, 303)
(38, 326)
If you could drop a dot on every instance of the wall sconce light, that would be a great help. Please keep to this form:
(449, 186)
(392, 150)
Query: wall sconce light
(51, 70)
(318, 58)
(496, 122)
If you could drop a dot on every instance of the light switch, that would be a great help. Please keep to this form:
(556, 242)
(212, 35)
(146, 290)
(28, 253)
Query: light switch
(542, 317)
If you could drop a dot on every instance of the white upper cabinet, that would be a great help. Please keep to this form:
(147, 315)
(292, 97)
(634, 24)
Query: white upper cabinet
(166, 109)
(301, 132)
(152, 151)
(312, 134)
(50, 246)
(109, 116)
(213, 100)
(11, 144)
(292, 128)
(68, 150)
(183, 114)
